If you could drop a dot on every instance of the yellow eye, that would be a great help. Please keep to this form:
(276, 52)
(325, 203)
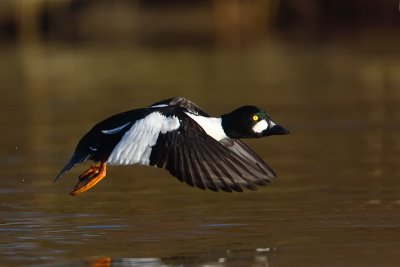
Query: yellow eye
(255, 118)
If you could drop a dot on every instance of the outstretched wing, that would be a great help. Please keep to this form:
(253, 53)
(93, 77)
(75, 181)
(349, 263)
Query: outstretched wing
(194, 157)
(239, 148)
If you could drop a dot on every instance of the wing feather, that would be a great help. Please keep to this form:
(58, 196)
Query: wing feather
(203, 171)
(247, 173)
(248, 155)
(197, 159)
(192, 168)
(217, 176)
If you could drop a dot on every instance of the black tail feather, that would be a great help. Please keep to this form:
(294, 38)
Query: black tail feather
(76, 158)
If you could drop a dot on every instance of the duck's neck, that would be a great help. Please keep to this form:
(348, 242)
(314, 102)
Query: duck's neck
(229, 124)
(212, 126)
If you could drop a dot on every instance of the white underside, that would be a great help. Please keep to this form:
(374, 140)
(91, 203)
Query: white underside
(136, 144)
(212, 126)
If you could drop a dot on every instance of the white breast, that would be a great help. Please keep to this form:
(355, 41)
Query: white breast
(136, 144)
(212, 126)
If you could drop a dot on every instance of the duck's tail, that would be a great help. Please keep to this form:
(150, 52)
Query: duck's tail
(75, 159)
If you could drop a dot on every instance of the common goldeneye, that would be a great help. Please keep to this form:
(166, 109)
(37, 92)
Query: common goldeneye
(179, 136)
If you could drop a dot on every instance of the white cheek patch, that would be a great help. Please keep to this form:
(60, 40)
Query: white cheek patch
(260, 126)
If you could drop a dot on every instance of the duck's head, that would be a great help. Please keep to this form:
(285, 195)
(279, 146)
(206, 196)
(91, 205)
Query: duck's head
(250, 122)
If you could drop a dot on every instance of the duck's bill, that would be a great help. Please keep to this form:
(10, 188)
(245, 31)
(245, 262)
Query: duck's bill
(276, 129)
(89, 178)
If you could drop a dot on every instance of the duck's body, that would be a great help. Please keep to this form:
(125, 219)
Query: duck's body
(177, 135)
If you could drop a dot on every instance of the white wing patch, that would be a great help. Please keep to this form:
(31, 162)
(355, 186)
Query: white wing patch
(115, 130)
(136, 144)
(212, 126)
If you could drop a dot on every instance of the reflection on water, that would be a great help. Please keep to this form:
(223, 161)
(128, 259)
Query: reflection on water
(335, 202)
(256, 258)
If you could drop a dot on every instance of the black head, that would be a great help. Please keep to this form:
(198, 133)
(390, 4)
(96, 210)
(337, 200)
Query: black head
(250, 122)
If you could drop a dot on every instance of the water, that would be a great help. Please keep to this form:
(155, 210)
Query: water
(336, 201)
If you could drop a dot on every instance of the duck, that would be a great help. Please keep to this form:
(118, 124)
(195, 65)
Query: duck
(177, 135)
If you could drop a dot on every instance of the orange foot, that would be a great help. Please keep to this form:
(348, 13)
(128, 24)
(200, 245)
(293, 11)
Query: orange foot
(90, 178)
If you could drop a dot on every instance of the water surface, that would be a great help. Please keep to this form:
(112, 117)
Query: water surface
(336, 201)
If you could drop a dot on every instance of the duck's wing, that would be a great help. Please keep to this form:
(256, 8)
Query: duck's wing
(239, 148)
(183, 103)
(197, 159)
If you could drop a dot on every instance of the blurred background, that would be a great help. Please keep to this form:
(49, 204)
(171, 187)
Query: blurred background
(57, 56)
(327, 70)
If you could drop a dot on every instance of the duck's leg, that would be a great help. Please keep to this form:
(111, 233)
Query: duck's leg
(90, 178)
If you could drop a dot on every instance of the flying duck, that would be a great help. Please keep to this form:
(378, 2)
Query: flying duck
(177, 135)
